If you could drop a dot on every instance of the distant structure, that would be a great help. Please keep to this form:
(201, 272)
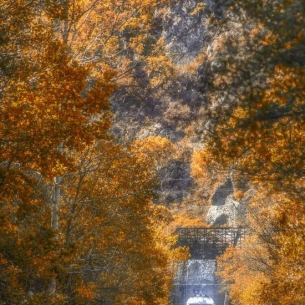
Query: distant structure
(208, 243)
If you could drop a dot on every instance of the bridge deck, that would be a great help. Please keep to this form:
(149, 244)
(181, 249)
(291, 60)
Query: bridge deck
(207, 243)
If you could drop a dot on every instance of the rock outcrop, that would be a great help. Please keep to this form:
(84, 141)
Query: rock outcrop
(225, 209)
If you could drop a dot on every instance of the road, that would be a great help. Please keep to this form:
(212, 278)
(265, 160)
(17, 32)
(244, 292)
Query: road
(197, 276)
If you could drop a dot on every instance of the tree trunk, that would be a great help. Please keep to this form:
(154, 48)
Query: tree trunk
(55, 216)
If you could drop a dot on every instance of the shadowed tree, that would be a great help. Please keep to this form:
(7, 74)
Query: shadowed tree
(255, 83)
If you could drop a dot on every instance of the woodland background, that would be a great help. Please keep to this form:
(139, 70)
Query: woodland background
(121, 119)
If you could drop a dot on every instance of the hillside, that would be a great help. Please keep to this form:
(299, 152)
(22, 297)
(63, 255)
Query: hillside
(176, 107)
(122, 120)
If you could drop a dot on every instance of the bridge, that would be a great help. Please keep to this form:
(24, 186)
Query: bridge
(208, 243)
(198, 273)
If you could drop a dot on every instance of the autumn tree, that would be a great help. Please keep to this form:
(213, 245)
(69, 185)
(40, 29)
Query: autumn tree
(45, 98)
(45, 101)
(267, 268)
(259, 131)
(257, 118)
(123, 35)
(59, 69)
(113, 244)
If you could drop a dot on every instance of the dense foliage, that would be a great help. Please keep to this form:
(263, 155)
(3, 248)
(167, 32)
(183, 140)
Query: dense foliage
(78, 212)
(77, 216)
(255, 88)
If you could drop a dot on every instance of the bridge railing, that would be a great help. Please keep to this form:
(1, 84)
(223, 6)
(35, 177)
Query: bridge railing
(207, 243)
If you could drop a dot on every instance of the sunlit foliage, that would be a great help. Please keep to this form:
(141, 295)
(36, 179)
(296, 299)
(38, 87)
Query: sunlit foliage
(256, 132)
(60, 64)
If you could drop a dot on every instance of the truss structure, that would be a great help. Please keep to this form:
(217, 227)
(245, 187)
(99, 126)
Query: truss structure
(208, 243)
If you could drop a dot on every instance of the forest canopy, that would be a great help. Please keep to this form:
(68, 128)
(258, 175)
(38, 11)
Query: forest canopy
(254, 83)
(77, 214)
(121, 120)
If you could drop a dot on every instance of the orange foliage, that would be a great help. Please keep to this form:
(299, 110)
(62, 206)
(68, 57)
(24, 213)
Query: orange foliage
(59, 64)
(258, 133)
